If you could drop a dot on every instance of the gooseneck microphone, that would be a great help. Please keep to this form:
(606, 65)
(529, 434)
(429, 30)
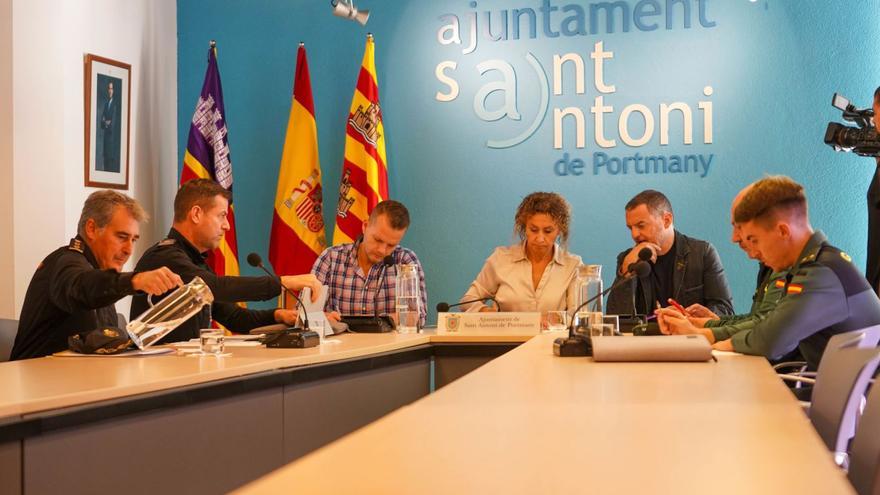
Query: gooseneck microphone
(640, 268)
(256, 261)
(645, 255)
(577, 345)
(386, 262)
(443, 307)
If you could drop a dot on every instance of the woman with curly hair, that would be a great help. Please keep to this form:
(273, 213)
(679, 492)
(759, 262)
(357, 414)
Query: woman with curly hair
(537, 273)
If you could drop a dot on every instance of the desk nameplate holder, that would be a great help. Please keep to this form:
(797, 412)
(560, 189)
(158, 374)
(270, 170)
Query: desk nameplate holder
(488, 322)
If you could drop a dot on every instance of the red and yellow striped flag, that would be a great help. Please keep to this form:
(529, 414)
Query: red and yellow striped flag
(298, 221)
(364, 181)
(207, 157)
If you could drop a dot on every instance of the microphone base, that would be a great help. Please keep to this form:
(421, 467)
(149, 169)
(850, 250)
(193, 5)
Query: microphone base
(575, 346)
(368, 324)
(293, 339)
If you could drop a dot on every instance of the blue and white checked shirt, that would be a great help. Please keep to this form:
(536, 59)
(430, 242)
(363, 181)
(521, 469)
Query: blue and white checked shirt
(353, 293)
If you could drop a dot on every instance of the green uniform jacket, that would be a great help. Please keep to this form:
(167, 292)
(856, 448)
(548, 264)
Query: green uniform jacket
(824, 295)
(767, 295)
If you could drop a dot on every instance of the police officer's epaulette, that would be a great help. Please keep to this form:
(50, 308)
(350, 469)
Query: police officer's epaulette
(76, 245)
(167, 242)
(840, 263)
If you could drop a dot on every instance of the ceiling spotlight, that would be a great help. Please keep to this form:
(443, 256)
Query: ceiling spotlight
(346, 9)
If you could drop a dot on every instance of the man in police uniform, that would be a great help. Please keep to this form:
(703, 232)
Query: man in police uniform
(74, 288)
(823, 293)
(200, 210)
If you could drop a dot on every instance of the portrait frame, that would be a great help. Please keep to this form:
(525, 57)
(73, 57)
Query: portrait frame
(107, 117)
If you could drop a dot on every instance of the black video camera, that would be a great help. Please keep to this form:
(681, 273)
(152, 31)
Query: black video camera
(862, 140)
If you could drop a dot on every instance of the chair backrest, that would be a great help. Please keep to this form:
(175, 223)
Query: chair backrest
(870, 336)
(8, 329)
(840, 386)
(864, 457)
(841, 381)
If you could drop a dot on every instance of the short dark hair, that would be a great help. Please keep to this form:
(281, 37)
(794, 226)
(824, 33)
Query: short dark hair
(769, 197)
(656, 201)
(199, 192)
(394, 211)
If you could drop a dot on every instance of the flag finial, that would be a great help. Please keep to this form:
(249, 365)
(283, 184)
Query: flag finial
(212, 44)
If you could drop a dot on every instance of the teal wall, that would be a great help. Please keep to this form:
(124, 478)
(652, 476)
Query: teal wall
(772, 65)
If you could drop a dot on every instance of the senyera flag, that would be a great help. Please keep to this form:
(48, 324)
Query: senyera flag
(364, 180)
(298, 220)
(207, 157)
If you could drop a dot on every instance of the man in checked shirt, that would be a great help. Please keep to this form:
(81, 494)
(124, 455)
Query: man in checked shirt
(359, 280)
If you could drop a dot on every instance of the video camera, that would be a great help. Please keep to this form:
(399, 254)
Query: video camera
(862, 140)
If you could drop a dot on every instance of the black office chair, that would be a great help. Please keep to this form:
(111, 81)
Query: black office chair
(8, 329)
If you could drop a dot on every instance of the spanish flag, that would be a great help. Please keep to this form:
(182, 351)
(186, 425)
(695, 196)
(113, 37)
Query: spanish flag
(298, 221)
(364, 181)
(207, 156)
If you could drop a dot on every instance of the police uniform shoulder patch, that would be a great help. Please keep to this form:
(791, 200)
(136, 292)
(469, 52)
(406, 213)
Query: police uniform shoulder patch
(808, 258)
(167, 242)
(846, 256)
(850, 277)
(76, 245)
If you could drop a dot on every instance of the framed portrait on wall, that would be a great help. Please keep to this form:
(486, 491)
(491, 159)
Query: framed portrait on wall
(107, 105)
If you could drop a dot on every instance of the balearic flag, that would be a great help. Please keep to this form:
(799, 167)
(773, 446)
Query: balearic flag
(207, 157)
(298, 221)
(364, 181)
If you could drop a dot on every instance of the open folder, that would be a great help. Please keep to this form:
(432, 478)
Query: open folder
(652, 348)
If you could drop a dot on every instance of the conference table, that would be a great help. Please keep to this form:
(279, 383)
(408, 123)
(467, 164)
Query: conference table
(465, 412)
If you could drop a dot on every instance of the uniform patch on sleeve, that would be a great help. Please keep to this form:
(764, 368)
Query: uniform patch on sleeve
(795, 289)
(780, 283)
(850, 277)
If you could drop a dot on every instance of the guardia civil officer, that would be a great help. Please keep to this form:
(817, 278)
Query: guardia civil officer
(75, 287)
(201, 207)
(823, 293)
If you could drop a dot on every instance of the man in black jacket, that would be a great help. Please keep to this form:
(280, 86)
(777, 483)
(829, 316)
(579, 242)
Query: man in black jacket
(200, 210)
(74, 288)
(872, 270)
(685, 269)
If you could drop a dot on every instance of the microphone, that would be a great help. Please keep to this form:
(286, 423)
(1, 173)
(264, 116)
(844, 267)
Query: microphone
(578, 345)
(386, 262)
(256, 261)
(645, 255)
(443, 307)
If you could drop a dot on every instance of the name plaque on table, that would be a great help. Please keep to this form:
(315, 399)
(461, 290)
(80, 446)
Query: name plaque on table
(501, 322)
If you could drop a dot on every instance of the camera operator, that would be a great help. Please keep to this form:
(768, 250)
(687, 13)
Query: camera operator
(872, 270)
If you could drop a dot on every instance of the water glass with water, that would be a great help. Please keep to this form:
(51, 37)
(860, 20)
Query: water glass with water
(211, 341)
(556, 321)
(605, 326)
